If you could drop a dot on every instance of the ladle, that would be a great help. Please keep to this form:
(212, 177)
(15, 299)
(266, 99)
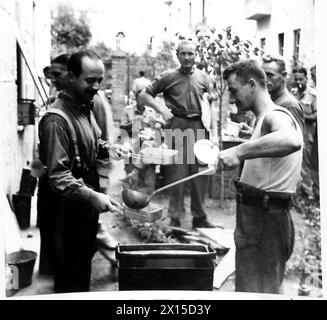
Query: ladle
(138, 200)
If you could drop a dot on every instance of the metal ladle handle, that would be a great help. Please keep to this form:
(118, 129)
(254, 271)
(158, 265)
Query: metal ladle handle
(210, 169)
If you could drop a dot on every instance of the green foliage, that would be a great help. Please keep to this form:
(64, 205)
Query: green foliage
(102, 50)
(153, 65)
(165, 58)
(68, 32)
(218, 50)
(308, 260)
(143, 62)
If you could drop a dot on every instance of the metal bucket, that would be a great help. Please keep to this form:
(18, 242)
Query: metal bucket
(21, 264)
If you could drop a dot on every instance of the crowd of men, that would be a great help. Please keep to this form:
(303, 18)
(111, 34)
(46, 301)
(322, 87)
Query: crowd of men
(75, 149)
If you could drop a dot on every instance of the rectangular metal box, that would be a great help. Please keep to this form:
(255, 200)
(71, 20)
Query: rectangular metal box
(165, 267)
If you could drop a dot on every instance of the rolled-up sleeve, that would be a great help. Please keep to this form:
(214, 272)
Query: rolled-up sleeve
(57, 154)
(157, 86)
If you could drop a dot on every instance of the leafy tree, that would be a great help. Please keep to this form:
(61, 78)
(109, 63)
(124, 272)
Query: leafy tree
(68, 32)
(165, 58)
(217, 51)
(306, 262)
(102, 50)
(152, 65)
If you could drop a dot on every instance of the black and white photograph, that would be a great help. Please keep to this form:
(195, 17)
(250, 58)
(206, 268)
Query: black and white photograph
(161, 148)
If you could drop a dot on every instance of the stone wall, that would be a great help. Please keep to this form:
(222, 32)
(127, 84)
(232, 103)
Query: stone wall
(119, 83)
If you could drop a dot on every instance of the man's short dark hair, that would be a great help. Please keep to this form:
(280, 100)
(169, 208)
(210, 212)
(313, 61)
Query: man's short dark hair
(300, 70)
(278, 60)
(61, 59)
(75, 61)
(142, 73)
(245, 70)
(46, 72)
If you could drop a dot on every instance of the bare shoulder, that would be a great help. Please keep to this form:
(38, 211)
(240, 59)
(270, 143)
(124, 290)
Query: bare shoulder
(278, 118)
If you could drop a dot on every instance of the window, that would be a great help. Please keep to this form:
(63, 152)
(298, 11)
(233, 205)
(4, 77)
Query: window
(262, 45)
(296, 49)
(25, 107)
(19, 75)
(281, 44)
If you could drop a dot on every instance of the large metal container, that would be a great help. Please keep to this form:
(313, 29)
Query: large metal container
(165, 267)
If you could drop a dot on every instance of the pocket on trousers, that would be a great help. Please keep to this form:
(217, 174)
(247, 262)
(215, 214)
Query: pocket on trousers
(288, 234)
(242, 240)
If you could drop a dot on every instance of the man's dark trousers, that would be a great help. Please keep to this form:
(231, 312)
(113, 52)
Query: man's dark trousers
(264, 240)
(186, 132)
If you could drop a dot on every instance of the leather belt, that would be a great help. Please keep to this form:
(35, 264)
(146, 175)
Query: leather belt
(265, 201)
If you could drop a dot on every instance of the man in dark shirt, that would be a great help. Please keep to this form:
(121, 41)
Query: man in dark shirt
(69, 191)
(103, 115)
(275, 70)
(183, 91)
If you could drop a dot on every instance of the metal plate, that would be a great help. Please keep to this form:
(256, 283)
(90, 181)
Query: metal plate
(206, 151)
(158, 155)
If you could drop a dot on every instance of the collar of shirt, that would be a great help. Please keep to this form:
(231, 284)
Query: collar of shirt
(82, 107)
(185, 72)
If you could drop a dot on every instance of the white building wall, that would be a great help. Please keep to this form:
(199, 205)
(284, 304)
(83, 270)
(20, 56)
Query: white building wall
(286, 16)
(8, 95)
(33, 19)
(218, 14)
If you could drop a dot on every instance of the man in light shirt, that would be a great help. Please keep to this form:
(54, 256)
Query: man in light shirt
(264, 234)
(139, 84)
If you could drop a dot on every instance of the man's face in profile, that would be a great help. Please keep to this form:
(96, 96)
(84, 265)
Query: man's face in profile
(275, 79)
(59, 75)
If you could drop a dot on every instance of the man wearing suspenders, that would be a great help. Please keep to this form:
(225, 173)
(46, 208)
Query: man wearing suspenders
(69, 190)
